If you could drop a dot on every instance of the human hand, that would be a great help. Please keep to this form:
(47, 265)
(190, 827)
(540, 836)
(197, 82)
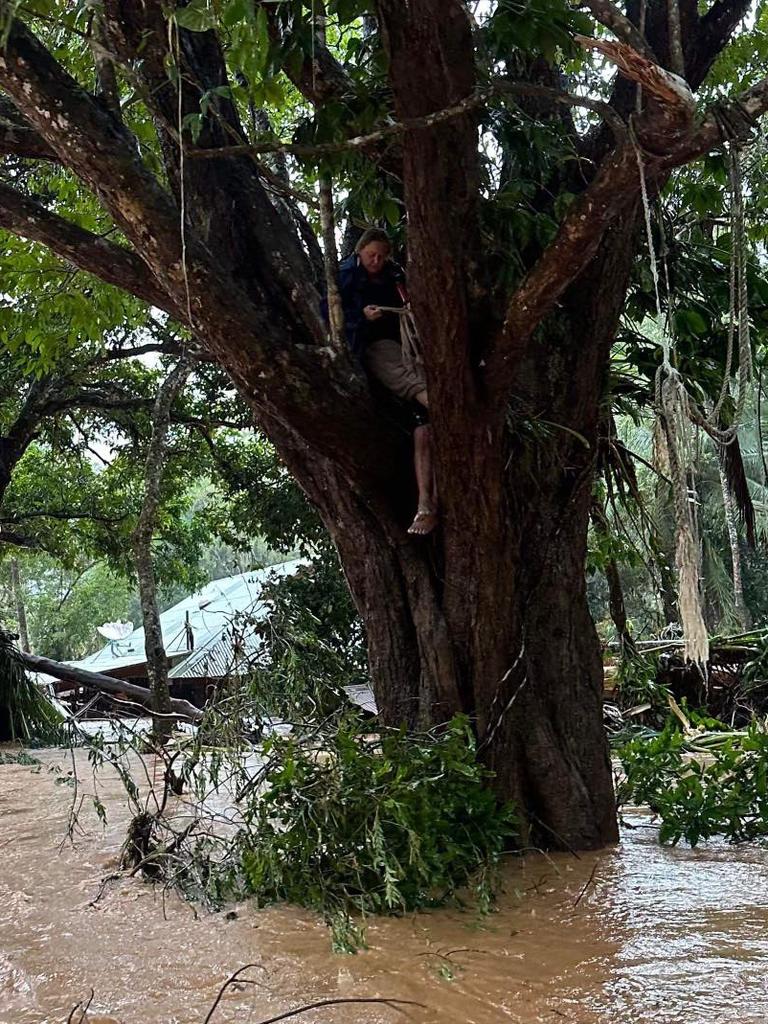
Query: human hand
(372, 312)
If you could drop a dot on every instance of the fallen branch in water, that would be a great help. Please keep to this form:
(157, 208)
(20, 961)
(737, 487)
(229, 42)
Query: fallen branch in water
(236, 978)
(395, 1004)
(77, 1006)
(587, 884)
(98, 681)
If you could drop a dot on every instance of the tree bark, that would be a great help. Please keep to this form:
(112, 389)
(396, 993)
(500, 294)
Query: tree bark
(743, 616)
(157, 661)
(21, 611)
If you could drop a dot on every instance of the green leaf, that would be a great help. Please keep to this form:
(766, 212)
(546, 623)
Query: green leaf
(197, 16)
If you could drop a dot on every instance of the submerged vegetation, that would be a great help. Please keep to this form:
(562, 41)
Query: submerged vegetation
(700, 778)
(381, 823)
(335, 817)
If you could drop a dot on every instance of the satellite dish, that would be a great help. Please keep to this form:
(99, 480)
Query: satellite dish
(116, 630)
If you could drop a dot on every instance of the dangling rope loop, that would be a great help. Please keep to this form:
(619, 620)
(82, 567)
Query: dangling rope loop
(676, 410)
(409, 336)
(673, 409)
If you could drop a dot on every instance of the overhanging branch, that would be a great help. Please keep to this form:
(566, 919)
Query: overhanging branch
(92, 144)
(319, 77)
(477, 99)
(18, 138)
(112, 263)
(665, 123)
(18, 540)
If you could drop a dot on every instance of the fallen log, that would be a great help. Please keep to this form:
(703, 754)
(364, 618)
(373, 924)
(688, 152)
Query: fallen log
(108, 684)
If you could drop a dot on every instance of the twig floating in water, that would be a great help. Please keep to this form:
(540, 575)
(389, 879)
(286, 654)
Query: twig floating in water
(587, 884)
(231, 980)
(394, 1003)
(77, 1006)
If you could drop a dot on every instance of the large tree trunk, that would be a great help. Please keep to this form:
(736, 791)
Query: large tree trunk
(497, 625)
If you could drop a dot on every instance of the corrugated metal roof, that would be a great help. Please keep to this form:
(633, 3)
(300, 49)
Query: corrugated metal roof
(227, 653)
(213, 620)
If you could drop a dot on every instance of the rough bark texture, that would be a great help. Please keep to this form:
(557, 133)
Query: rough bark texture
(157, 661)
(489, 616)
(21, 611)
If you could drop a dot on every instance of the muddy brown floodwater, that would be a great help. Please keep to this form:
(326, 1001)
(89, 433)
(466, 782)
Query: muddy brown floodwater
(661, 935)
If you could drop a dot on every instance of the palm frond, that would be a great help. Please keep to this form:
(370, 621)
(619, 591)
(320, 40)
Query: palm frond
(25, 711)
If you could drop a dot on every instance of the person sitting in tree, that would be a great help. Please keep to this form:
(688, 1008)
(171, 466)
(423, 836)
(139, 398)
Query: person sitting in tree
(369, 282)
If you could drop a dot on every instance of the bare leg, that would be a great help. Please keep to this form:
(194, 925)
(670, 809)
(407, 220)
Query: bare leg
(426, 516)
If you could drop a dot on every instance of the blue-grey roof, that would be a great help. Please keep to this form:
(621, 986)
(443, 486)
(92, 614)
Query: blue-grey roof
(209, 633)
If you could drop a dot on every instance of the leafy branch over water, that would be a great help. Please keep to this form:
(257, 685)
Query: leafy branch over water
(701, 779)
(333, 817)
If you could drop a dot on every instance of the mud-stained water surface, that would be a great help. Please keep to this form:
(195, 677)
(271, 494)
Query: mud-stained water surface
(638, 933)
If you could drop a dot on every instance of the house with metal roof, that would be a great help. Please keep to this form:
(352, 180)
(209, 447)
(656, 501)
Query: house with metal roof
(210, 635)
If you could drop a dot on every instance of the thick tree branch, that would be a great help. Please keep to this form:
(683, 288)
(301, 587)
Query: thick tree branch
(106, 78)
(740, 114)
(63, 515)
(665, 122)
(94, 145)
(319, 77)
(604, 12)
(714, 30)
(18, 540)
(18, 138)
(167, 348)
(241, 273)
(112, 263)
(98, 681)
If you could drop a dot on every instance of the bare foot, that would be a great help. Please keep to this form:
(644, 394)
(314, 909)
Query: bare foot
(424, 523)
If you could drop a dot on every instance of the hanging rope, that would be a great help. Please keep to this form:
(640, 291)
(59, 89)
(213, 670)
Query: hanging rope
(677, 411)
(409, 336)
(673, 411)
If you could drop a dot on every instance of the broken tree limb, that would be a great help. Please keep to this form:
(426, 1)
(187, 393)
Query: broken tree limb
(108, 684)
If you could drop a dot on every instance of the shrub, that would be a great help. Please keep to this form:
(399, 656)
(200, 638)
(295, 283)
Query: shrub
(725, 794)
(25, 711)
(364, 824)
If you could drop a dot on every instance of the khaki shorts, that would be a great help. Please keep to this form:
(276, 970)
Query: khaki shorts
(384, 361)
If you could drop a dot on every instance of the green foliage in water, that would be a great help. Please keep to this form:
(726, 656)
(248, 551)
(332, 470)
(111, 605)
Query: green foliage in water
(374, 825)
(18, 757)
(702, 783)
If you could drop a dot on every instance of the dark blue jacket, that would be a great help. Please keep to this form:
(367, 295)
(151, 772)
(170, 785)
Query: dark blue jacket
(352, 282)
